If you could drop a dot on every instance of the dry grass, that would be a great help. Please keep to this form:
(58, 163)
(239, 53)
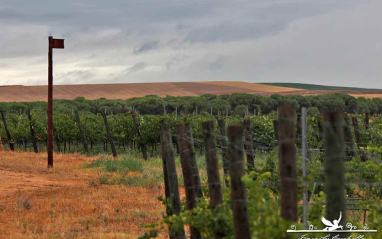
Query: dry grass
(66, 203)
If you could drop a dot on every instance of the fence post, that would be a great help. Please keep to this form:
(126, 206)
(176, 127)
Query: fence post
(168, 154)
(334, 166)
(187, 174)
(238, 189)
(224, 145)
(299, 131)
(304, 145)
(165, 173)
(109, 135)
(33, 135)
(194, 164)
(358, 138)
(11, 146)
(276, 129)
(141, 144)
(248, 145)
(81, 129)
(367, 119)
(350, 150)
(214, 184)
(287, 162)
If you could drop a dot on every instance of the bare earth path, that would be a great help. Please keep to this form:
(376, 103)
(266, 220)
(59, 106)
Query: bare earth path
(12, 181)
(68, 201)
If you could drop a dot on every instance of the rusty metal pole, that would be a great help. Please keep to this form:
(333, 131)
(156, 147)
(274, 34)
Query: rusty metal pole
(50, 104)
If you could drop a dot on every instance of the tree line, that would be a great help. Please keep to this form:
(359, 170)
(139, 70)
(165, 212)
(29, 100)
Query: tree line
(234, 104)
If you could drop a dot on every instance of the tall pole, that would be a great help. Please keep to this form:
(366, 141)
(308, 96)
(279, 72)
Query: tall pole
(50, 104)
(304, 151)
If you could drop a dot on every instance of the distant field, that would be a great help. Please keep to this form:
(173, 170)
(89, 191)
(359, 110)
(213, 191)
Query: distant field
(317, 87)
(130, 90)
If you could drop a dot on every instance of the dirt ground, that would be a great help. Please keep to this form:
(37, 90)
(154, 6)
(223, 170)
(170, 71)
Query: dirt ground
(68, 201)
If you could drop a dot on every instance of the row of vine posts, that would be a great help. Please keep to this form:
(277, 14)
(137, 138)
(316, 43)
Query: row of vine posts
(142, 146)
(233, 148)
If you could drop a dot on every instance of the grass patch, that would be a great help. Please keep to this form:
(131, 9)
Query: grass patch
(128, 170)
(126, 164)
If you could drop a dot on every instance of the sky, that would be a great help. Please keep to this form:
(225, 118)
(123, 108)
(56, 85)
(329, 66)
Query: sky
(124, 41)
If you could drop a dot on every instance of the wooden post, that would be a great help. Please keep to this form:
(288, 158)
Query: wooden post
(298, 131)
(172, 175)
(349, 142)
(165, 173)
(214, 184)
(1, 144)
(33, 135)
(224, 148)
(304, 149)
(276, 129)
(10, 140)
(334, 166)
(238, 189)
(109, 135)
(187, 173)
(358, 139)
(141, 144)
(367, 119)
(50, 103)
(194, 164)
(81, 129)
(287, 162)
(248, 145)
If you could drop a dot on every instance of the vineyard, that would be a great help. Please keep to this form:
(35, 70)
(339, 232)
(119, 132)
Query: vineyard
(194, 147)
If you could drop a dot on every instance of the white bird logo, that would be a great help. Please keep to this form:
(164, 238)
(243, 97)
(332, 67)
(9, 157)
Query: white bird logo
(332, 226)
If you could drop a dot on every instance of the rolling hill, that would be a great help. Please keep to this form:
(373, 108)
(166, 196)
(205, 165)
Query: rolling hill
(130, 90)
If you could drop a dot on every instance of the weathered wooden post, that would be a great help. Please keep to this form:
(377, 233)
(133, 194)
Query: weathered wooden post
(10, 140)
(31, 128)
(367, 121)
(276, 129)
(187, 170)
(214, 184)
(334, 166)
(168, 154)
(358, 139)
(349, 142)
(287, 162)
(141, 144)
(109, 135)
(165, 173)
(194, 164)
(224, 148)
(238, 189)
(248, 145)
(304, 149)
(298, 131)
(81, 129)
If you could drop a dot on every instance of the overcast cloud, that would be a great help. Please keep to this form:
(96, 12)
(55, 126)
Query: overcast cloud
(310, 41)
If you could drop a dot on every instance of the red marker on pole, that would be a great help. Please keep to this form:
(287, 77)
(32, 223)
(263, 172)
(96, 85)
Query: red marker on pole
(59, 44)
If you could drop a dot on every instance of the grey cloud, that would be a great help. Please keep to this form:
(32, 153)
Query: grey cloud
(198, 39)
(74, 77)
(146, 46)
(218, 63)
(259, 20)
(137, 67)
